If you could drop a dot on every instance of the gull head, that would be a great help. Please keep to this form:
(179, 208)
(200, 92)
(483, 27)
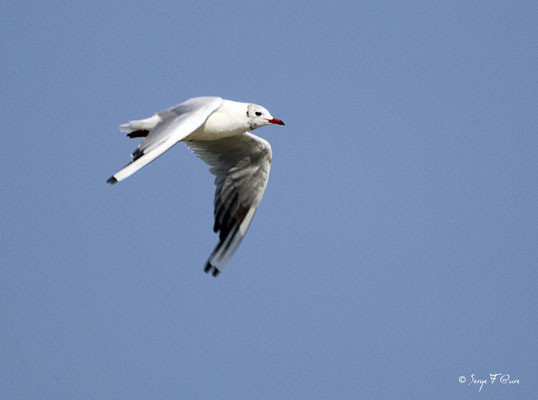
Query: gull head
(258, 116)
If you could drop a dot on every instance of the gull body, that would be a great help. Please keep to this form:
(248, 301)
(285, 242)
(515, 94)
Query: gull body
(217, 130)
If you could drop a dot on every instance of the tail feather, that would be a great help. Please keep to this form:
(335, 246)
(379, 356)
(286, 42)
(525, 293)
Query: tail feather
(142, 124)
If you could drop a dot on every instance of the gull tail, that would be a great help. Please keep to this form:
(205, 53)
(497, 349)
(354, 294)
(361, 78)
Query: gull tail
(141, 124)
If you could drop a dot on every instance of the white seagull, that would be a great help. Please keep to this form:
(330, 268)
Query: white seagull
(217, 130)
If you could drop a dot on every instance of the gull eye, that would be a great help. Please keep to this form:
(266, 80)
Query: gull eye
(258, 113)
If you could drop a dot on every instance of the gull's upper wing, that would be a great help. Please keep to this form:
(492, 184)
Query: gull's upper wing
(174, 124)
(241, 165)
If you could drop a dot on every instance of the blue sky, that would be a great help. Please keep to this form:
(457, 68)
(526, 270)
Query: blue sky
(395, 248)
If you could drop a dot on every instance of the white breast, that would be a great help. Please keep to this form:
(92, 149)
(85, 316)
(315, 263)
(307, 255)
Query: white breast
(229, 120)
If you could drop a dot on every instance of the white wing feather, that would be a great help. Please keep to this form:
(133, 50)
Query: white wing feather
(174, 125)
(241, 165)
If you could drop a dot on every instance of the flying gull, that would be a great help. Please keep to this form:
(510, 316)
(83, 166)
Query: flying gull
(217, 130)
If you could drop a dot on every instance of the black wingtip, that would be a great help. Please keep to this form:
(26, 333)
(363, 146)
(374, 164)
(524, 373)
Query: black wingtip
(207, 267)
(112, 180)
(210, 268)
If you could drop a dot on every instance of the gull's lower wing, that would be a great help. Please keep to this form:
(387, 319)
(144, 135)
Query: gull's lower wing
(241, 165)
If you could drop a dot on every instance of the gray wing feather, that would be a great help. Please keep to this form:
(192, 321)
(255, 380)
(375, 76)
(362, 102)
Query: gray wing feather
(241, 165)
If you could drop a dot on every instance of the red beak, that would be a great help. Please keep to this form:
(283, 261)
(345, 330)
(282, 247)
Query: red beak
(276, 121)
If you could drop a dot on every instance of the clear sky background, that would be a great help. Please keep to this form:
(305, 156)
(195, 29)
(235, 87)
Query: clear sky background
(395, 249)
